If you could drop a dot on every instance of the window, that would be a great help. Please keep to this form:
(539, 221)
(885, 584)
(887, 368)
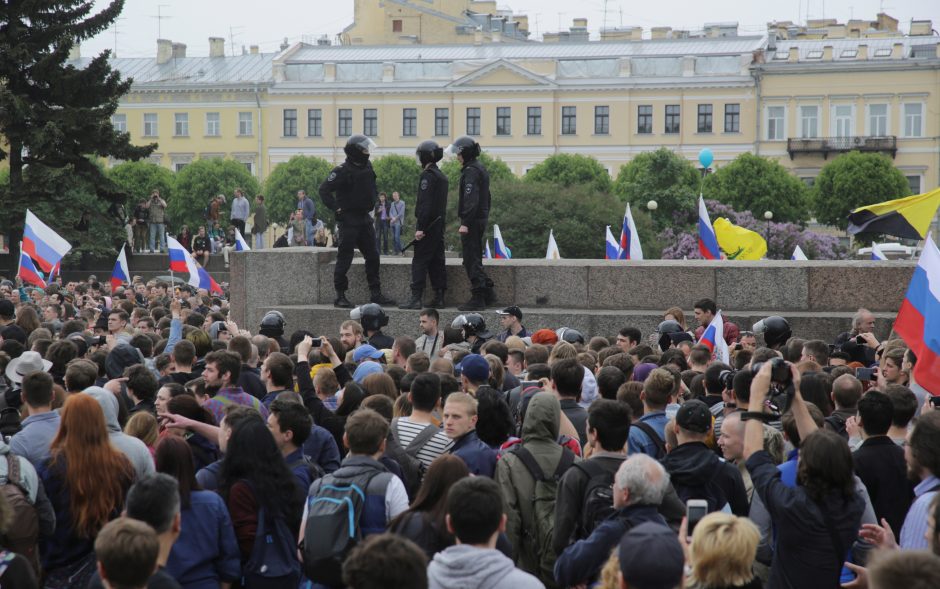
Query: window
(842, 120)
(409, 122)
(534, 120)
(914, 183)
(345, 122)
(244, 123)
(732, 118)
(503, 120)
(370, 122)
(849, 53)
(877, 120)
(809, 122)
(314, 122)
(119, 122)
(601, 120)
(569, 120)
(644, 119)
(178, 166)
(290, 122)
(250, 167)
(441, 122)
(672, 118)
(473, 121)
(704, 118)
(809, 181)
(775, 123)
(913, 119)
(396, 26)
(213, 124)
(814, 54)
(181, 124)
(884, 52)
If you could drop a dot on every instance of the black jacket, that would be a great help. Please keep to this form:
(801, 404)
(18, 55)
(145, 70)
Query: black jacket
(350, 190)
(474, 200)
(432, 200)
(880, 463)
(697, 473)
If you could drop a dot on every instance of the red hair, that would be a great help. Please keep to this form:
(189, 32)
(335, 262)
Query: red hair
(96, 475)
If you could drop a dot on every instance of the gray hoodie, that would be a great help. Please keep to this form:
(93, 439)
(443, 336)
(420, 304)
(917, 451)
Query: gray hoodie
(135, 450)
(468, 567)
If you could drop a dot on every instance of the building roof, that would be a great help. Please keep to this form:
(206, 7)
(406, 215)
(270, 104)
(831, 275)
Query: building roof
(238, 69)
(811, 49)
(606, 49)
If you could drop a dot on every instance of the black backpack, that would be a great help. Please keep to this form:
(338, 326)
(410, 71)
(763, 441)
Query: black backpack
(273, 562)
(598, 502)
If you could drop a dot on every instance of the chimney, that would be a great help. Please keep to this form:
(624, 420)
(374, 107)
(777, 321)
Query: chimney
(164, 51)
(827, 53)
(253, 50)
(862, 53)
(216, 47)
(794, 55)
(661, 32)
(284, 44)
(179, 50)
(478, 36)
(897, 51)
(76, 51)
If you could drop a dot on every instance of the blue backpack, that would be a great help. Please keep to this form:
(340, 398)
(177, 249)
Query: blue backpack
(273, 562)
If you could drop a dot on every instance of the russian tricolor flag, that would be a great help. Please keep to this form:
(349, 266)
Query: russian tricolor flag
(612, 247)
(877, 253)
(43, 244)
(206, 282)
(707, 242)
(714, 339)
(198, 276)
(28, 272)
(56, 270)
(500, 250)
(629, 238)
(918, 321)
(120, 274)
(178, 256)
(487, 255)
(798, 255)
(240, 244)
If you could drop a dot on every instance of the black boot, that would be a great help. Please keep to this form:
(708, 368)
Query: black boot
(414, 303)
(476, 302)
(438, 301)
(489, 295)
(341, 301)
(380, 299)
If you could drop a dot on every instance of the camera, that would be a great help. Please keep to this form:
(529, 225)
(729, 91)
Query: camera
(779, 371)
(726, 378)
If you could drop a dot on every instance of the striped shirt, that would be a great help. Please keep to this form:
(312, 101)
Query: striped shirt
(233, 396)
(438, 444)
(915, 524)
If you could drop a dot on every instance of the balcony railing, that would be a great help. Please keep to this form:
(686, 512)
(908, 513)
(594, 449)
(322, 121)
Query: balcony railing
(827, 145)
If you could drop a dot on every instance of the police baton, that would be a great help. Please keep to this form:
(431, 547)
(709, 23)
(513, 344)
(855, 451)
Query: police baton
(414, 241)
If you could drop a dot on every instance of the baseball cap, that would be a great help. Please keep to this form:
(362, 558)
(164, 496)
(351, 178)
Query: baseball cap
(694, 416)
(475, 367)
(215, 328)
(651, 557)
(366, 351)
(511, 310)
(7, 309)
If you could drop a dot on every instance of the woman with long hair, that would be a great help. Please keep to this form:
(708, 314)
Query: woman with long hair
(27, 319)
(206, 554)
(86, 480)
(205, 452)
(423, 522)
(380, 384)
(336, 424)
(254, 478)
(143, 426)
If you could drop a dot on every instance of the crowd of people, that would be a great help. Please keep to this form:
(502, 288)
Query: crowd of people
(150, 441)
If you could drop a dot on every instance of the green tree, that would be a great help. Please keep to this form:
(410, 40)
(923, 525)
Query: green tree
(138, 179)
(663, 176)
(397, 173)
(54, 115)
(756, 184)
(496, 167)
(854, 180)
(201, 180)
(571, 169)
(300, 172)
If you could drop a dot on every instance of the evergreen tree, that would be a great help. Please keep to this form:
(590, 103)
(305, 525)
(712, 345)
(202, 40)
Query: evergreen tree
(55, 118)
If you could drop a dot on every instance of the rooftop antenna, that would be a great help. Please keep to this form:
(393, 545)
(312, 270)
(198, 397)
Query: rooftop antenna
(116, 33)
(604, 27)
(231, 37)
(159, 16)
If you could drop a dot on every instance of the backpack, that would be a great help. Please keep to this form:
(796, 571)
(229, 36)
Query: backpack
(22, 535)
(332, 528)
(273, 562)
(598, 502)
(411, 453)
(651, 433)
(837, 424)
(541, 534)
(314, 470)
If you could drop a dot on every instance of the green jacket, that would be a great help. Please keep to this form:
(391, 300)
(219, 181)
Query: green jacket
(260, 224)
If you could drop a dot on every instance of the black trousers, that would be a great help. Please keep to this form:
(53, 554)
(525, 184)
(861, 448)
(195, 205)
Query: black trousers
(357, 234)
(429, 259)
(472, 250)
(240, 225)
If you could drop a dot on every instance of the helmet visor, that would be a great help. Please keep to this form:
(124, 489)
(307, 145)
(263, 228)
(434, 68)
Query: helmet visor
(759, 327)
(367, 145)
(452, 150)
(356, 314)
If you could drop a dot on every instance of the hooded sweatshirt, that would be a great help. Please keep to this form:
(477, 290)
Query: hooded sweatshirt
(695, 470)
(468, 567)
(135, 450)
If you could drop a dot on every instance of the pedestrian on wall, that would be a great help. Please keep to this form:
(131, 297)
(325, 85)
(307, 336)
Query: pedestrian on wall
(241, 208)
(309, 209)
(473, 208)
(396, 220)
(157, 208)
(430, 208)
(381, 218)
(260, 224)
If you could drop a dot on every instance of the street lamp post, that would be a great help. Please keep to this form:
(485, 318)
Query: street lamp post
(768, 215)
(652, 205)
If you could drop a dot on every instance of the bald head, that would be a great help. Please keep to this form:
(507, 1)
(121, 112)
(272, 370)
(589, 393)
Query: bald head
(731, 440)
(846, 392)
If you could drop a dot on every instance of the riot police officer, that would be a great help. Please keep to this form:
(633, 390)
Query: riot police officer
(473, 208)
(430, 209)
(351, 192)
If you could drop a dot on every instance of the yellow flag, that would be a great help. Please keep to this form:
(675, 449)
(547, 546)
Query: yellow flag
(738, 243)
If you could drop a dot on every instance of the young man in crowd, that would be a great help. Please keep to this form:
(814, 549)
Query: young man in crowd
(460, 420)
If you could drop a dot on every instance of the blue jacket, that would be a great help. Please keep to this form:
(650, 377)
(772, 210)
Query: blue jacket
(206, 552)
(582, 561)
(320, 447)
(33, 441)
(480, 458)
(208, 477)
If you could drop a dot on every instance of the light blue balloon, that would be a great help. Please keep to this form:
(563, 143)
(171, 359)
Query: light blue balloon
(706, 157)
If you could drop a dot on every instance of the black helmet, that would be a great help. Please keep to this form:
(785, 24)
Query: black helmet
(371, 316)
(776, 330)
(665, 331)
(570, 335)
(471, 324)
(465, 146)
(358, 148)
(429, 152)
(272, 324)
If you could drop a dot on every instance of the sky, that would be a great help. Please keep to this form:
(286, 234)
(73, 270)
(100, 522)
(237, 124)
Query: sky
(266, 23)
